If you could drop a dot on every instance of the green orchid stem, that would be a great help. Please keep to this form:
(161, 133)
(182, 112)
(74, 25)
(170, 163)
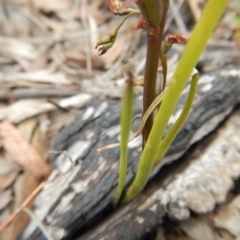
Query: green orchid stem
(163, 58)
(168, 139)
(125, 122)
(154, 13)
(211, 15)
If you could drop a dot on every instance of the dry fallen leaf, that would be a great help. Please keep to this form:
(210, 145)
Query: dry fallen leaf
(197, 228)
(94, 12)
(41, 76)
(26, 108)
(76, 58)
(228, 217)
(17, 49)
(7, 179)
(23, 187)
(7, 164)
(22, 152)
(60, 120)
(53, 5)
(5, 198)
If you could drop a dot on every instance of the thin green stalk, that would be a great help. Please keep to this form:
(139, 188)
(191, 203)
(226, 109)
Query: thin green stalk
(163, 59)
(168, 139)
(201, 33)
(165, 4)
(125, 122)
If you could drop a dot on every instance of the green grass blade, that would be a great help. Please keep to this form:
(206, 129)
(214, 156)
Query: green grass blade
(168, 139)
(125, 122)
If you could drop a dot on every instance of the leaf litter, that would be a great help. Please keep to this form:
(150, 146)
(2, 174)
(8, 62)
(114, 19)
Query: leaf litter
(49, 69)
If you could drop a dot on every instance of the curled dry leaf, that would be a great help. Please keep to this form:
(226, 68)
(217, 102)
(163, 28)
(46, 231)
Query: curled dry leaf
(22, 152)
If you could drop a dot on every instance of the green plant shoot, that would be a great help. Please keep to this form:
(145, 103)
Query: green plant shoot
(211, 15)
(168, 139)
(125, 123)
(153, 128)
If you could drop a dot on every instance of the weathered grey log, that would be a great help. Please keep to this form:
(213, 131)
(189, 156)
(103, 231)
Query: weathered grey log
(83, 194)
(202, 181)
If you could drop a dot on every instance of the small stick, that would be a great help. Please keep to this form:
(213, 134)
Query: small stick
(24, 204)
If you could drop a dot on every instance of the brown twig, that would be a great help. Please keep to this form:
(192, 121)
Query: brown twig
(24, 204)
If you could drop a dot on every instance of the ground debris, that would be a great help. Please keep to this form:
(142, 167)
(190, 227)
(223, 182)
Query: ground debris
(51, 77)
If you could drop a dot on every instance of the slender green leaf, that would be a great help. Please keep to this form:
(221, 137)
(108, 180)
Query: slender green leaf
(168, 139)
(211, 15)
(125, 122)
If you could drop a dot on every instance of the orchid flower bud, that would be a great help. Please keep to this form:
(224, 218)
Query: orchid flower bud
(106, 42)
